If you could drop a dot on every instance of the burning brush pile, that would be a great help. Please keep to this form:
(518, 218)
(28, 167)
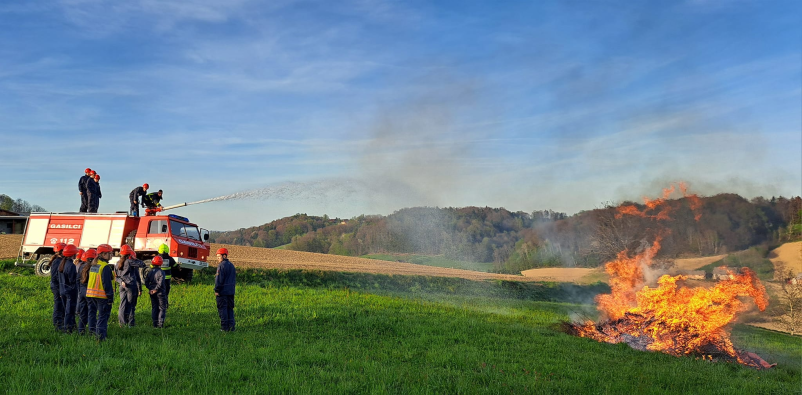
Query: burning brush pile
(671, 317)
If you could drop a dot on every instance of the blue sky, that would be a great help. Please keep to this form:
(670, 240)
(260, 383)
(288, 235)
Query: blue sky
(369, 106)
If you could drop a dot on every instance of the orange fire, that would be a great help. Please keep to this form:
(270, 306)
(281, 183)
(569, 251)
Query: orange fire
(671, 317)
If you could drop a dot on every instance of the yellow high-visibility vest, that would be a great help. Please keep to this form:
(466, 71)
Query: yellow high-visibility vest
(94, 287)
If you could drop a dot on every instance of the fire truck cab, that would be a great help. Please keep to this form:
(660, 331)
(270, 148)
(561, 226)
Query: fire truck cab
(189, 244)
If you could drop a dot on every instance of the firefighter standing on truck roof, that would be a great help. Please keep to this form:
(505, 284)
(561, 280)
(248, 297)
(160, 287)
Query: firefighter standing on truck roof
(68, 286)
(167, 267)
(134, 196)
(99, 291)
(225, 282)
(152, 199)
(84, 259)
(58, 304)
(93, 187)
(127, 271)
(82, 190)
(155, 283)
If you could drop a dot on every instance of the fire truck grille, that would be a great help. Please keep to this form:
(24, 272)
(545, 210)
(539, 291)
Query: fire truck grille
(193, 252)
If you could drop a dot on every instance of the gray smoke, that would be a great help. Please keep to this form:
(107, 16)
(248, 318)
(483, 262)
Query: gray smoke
(329, 189)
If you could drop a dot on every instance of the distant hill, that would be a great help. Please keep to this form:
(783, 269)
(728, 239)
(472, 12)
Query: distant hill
(274, 234)
(516, 241)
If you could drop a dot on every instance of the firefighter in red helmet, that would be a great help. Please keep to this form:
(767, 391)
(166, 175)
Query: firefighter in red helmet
(55, 286)
(136, 197)
(225, 282)
(83, 259)
(127, 270)
(93, 187)
(83, 191)
(158, 292)
(68, 286)
(99, 291)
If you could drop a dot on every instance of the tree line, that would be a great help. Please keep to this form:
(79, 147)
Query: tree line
(18, 206)
(515, 241)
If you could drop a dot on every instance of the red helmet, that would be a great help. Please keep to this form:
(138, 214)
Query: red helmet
(104, 248)
(126, 250)
(157, 261)
(146, 186)
(89, 254)
(97, 177)
(92, 172)
(59, 246)
(222, 251)
(80, 255)
(70, 250)
(87, 170)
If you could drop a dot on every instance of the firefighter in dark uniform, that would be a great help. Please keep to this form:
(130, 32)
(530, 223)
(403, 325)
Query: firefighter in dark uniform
(58, 304)
(134, 198)
(225, 282)
(155, 283)
(167, 267)
(68, 286)
(85, 259)
(93, 187)
(82, 190)
(99, 291)
(152, 200)
(127, 271)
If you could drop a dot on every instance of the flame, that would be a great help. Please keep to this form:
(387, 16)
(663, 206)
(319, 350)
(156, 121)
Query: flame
(663, 210)
(671, 317)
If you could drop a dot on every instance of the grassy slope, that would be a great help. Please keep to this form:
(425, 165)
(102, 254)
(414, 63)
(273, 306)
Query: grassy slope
(323, 339)
(753, 258)
(433, 260)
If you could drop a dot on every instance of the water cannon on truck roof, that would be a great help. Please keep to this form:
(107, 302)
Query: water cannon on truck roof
(152, 211)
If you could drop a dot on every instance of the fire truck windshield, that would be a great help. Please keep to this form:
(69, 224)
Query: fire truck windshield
(183, 230)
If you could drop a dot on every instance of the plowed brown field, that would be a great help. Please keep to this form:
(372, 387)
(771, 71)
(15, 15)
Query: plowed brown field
(695, 263)
(789, 254)
(9, 246)
(266, 258)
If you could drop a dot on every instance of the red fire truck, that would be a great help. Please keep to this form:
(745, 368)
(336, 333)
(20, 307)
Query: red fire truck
(189, 245)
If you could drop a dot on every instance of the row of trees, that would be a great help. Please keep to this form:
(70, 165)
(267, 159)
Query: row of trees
(516, 241)
(18, 206)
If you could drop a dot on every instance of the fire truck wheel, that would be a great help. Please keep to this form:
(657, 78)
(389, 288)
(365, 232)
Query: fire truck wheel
(184, 274)
(143, 272)
(43, 266)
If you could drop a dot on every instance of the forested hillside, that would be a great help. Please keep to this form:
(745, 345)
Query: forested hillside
(18, 206)
(516, 241)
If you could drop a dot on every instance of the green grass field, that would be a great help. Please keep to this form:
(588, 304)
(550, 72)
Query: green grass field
(433, 260)
(313, 332)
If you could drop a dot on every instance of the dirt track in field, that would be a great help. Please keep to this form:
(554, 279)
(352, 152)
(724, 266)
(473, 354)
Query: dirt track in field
(565, 274)
(266, 258)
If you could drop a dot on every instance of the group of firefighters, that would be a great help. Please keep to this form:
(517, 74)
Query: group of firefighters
(89, 189)
(82, 283)
(148, 200)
